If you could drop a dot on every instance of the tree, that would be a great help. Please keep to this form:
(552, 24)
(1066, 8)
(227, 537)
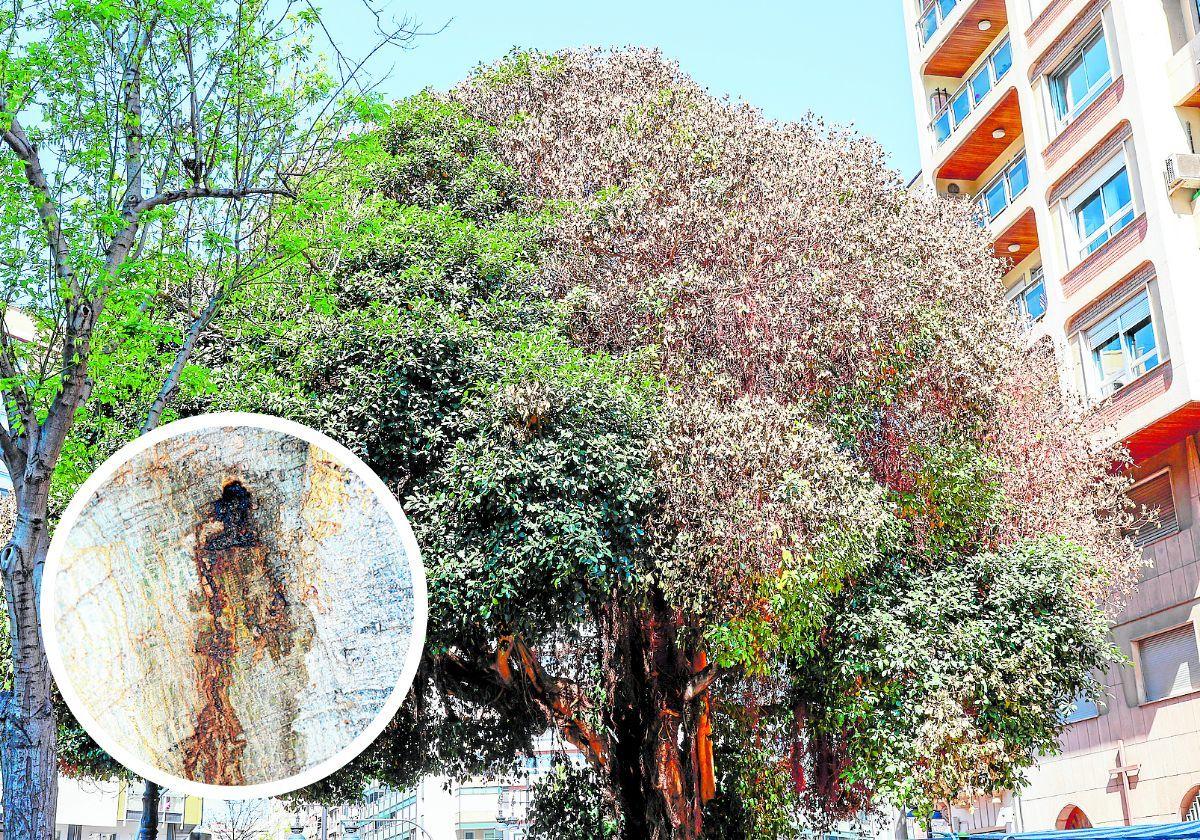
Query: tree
(143, 143)
(717, 441)
(566, 804)
(240, 819)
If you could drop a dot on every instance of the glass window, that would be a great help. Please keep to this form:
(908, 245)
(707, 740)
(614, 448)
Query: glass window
(1033, 297)
(1081, 708)
(981, 83)
(1154, 506)
(1018, 177)
(960, 105)
(1009, 184)
(1002, 60)
(928, 24)
(996, 199)
(1100, 214)
(941, 126)
(1123, 346)
(1082, 77)
(933, 16)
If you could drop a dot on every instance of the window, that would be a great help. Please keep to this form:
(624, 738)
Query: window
(1030, 299)
(1009, 183)
(1104, 211)
(1082, 77)
(1082, 708)
(1191, 805)
(1123, 346)
(1170, 663)
(932, 17)
(1072, 818)
(950, 109)
(1155, 498)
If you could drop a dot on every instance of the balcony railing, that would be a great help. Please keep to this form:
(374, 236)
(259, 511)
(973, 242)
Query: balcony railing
(932, 17)
(959, 105)
(1000, 192)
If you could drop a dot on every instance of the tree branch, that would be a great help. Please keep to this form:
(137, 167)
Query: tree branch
(171, 383)
(201, 191)
(702, 680)
(47, 209)
(516, 671)
(132, 122)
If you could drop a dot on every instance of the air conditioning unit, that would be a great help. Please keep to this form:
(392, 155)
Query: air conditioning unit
(1183, 172)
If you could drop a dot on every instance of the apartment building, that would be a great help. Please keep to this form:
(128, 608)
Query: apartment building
(441, 809)
(113, 811)
(1072, 127)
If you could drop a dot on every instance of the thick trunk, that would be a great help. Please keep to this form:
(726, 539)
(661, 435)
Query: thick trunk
(662, 760)
(28, 743)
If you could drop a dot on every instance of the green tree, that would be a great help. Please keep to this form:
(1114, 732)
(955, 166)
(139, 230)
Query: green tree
(567, 804)
(143, 144)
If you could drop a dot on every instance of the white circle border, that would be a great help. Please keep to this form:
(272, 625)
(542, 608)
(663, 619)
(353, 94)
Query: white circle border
(127, 757)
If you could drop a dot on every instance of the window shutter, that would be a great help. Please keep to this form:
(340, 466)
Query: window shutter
(1170, 663)
(1154, 495)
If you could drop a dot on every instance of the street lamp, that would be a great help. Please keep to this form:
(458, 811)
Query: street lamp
(351, 827)
(297, 830)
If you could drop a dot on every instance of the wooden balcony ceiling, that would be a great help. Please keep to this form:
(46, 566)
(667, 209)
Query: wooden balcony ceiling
(1022, 233)
(978, 149)
(1164, 432)
(956, 50)
(1192, 100)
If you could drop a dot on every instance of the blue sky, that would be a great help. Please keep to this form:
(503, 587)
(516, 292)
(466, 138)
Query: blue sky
(844, 60)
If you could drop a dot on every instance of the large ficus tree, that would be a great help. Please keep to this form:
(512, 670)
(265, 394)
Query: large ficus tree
(142, 146)
(727, 458)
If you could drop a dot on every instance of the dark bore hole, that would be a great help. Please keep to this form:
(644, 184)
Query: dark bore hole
(233, 511)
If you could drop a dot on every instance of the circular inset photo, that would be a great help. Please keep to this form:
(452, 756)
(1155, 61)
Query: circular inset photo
(234, 606)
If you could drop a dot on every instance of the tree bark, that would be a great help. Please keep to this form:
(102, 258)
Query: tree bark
(661, 767)
(28, 742)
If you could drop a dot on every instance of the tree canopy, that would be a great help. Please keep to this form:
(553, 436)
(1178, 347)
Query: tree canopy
(727, 458)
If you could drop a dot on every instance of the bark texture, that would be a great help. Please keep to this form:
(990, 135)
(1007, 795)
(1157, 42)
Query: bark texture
(28, 753)
(232, 606)
(651, 742)
(662, 751)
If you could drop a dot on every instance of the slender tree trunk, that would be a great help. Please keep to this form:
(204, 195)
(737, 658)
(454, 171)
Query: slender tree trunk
(660, 748)
(148, 827)
(28, 743)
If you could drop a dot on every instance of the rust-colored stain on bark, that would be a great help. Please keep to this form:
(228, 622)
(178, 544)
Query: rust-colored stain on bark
(235, 606)
(243, 611)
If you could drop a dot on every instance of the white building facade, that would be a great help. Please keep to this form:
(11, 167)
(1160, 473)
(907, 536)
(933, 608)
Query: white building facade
(1073, 125)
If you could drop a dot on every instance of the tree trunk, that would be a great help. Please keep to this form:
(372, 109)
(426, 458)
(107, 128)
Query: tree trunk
(148, 827)
(28, 743)
(661, 756)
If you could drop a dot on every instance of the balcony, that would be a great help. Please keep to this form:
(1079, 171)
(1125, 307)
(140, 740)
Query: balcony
(1164, 432)
(1183, 75)
(984, 137)
(956, 32)
(999, 193)
(958, 106)
(1003, 207)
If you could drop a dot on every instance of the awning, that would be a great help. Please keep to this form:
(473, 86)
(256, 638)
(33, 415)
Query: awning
(1161, 831)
